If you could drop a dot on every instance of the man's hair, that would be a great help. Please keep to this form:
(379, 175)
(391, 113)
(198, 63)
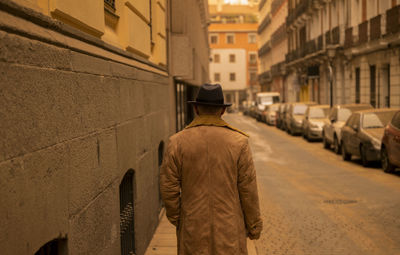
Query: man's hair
(206, 109)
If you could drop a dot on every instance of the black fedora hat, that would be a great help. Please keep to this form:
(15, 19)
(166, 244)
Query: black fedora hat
(210, 94)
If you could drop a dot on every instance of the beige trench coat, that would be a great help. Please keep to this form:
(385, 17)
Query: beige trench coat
(208, 184)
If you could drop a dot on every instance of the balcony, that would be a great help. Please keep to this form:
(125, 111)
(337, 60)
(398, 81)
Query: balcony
(363, 32)
(264, 24)
(300, 9)
(279, 35)
(311, 47)
(375, 28)
(393, 20)
(275, 5)
(265, 77)
(335, 35)
(348, 39)
(264, 49)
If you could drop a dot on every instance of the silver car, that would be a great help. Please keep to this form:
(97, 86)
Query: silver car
(270, 114)
(294, 117)
(338, 115)
(314, 120)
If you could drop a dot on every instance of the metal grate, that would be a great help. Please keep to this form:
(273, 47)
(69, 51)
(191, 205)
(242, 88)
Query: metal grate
(110, 3)
(127, 223)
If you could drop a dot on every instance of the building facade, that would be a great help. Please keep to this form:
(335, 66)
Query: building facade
(87, 104)
(233, 43)
(273, 47)
(345, 51)
(189, 51)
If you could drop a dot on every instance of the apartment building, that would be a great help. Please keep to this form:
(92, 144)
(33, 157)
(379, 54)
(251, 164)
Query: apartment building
(233, 43)
(87, 104)
(345, 51)
(273, 46)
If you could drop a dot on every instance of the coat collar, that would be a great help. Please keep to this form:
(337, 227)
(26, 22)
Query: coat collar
(212, 120)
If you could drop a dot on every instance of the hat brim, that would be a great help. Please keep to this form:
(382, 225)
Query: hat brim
(208, 104)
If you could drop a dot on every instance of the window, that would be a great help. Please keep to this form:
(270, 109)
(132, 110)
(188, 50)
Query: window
(253, 58)
(216, 58)
(232, 58)
(252, 38)
(217, 77)
(230, 39)
(127, 224)
(253, 76)
(214, 39)
(232, 76)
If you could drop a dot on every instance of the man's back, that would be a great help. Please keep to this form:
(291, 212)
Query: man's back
(213, 169)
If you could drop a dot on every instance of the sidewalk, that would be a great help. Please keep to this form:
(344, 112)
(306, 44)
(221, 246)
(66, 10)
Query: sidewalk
(164, 240)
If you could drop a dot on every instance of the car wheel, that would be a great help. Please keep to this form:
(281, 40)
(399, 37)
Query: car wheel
(386, 165)
(325, 142)
(363, 154)
(346, 156)
(336, 146)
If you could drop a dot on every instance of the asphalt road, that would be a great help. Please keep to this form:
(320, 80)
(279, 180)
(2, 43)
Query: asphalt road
(313, 202)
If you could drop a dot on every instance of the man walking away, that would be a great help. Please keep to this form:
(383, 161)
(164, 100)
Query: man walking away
(208, 182)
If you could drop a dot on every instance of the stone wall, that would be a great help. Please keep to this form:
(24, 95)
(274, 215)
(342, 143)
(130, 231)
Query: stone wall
(74, 118)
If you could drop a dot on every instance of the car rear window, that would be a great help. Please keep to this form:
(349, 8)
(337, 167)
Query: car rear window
(299, 109)
(377, 119)
(396, 120)
(318, 113)
(344, 113)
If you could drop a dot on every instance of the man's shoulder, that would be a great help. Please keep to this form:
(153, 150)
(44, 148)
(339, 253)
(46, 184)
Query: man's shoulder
(228, 129)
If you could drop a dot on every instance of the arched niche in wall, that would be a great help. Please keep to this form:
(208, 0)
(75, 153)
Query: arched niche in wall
(127, 213)
(54, 247)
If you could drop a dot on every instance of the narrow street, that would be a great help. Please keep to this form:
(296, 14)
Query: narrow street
(313, 202)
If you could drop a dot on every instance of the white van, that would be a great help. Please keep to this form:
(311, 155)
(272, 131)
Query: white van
(263, 99)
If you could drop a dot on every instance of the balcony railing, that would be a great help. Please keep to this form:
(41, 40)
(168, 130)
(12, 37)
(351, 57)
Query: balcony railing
(264, 49)
(363, 32)
(311, 47)
(375, 28)
(110, 3)
(328, 39)
(264, 24)
(275, 5)
(393, 20)
(320, 43)
(300, 9)
(264, 77)
(335, 35)
(348, 39)
(279, 35)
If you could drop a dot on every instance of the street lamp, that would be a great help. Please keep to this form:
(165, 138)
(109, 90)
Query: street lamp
(330, 52)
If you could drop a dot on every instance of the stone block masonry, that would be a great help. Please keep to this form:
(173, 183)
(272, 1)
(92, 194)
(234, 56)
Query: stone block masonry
(73, 120)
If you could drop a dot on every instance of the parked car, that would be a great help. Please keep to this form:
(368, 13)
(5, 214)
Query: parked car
(280, 115)
(284, 113)
(270, 114)
(315, 118)
(246, 107)
(390, 148)
(362, 134)
(262, 100)
(294, 117)
(338, 115)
